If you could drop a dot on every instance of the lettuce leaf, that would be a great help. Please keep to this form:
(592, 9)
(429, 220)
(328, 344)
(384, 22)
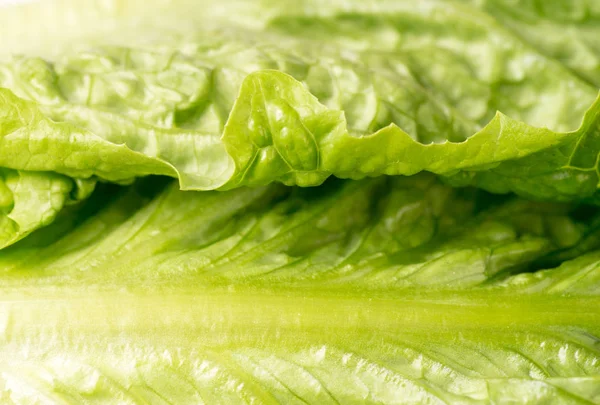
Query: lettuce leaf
(155, 247)
(251, 105)
(29, 200)
(377, 291)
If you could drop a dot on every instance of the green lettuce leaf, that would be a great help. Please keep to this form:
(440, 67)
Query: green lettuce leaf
(469, 92)
(537, 23)
(398, 290)
(475, 283)
(30, 200)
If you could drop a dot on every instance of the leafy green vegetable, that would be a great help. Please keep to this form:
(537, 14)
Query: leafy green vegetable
(383, 290)
(459, 263)
(29, 200)
(536, 23)
(220, 109)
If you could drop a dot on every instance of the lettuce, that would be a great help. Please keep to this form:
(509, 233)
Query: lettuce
(384, 290)
(226, 109)
(297, 202)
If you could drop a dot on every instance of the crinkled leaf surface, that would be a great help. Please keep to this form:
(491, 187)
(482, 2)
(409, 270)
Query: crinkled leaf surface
(410, 288)
(294, 93)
